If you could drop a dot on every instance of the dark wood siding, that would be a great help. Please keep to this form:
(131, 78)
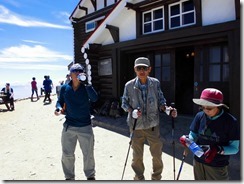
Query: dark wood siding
(123, 55)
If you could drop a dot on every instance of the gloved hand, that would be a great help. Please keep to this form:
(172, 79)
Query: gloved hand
(211, 153)
(136, 113)
(183, 139)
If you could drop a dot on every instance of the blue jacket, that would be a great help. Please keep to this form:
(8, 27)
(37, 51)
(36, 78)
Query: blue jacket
(77, 104)
(47, 84)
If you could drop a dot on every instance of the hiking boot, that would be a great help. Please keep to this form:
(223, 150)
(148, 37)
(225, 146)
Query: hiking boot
(91, 178)
(139, 177)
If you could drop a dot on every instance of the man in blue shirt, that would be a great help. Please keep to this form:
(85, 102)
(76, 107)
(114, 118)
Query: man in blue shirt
(47, 85)
(74, 102)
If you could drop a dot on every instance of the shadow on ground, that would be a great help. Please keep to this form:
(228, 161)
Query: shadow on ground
(181, 127)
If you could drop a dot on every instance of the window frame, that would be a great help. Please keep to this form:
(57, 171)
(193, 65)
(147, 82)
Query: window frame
(181, 14)
(95, 21)
(223, 64)
(162, 66)
(152, 21)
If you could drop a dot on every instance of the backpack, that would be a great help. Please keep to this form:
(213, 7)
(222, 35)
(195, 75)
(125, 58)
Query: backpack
(104, 110)
(115, 109)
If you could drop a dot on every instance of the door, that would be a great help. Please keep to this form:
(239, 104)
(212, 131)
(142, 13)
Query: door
(184, 79)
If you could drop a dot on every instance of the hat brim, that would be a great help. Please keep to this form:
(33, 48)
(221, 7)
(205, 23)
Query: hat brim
(141, 65)
(207, 103)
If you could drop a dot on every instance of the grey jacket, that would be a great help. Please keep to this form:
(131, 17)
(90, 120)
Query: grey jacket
(132, 98)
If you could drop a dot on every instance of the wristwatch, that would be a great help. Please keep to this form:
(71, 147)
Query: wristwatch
(221, 150)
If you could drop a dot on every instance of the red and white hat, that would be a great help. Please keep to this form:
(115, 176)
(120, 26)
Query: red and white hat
(210, 97)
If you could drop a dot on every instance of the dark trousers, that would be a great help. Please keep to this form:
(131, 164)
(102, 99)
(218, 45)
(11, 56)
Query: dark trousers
(47, 96)
(10, 101)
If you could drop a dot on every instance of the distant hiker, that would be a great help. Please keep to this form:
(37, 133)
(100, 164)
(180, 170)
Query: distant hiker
(58, 88)
(9, 92)
(68, 79)
(34, 88)
(47, 85)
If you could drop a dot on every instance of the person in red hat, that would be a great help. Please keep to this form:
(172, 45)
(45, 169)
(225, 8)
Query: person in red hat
(217, 133)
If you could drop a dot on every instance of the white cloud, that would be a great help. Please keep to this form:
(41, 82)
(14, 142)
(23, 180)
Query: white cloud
(36, 53)
(25, 66)
(63, 16)
(33, 41)
(8, 17)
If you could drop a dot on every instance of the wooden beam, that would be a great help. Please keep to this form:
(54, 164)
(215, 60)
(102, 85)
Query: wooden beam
(94, 3)
(114, 31)
(83, 8)
(94, 46)
(198, 10)
(130, 6)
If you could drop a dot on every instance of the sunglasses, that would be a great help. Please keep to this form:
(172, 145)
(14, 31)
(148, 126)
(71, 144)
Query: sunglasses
(207, 108)
(139, 68)
(77, 70)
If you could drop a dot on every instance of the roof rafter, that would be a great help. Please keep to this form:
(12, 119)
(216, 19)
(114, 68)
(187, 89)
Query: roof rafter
(83, 8)
(114, 31)
(94, 3)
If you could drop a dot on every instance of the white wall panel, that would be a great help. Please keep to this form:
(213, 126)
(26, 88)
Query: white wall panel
(217, 11)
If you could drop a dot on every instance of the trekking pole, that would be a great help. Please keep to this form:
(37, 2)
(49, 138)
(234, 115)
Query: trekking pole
(131, 135)
(182, 162)
(173, 141)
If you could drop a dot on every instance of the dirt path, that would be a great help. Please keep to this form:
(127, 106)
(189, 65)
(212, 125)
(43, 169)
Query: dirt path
(30, 148)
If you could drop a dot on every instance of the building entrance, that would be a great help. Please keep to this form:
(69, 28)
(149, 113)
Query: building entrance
(184, 80)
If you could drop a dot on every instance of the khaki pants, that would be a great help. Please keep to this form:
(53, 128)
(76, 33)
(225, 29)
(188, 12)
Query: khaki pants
(205, 172)
(152, 136)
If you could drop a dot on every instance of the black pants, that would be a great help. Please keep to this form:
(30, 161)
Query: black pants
(10, 101)
(47, 96)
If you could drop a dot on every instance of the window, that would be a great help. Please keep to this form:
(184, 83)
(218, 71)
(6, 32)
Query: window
(153, 20)
(181, 14)
(162, 66)
(91, 25)
(218, 64)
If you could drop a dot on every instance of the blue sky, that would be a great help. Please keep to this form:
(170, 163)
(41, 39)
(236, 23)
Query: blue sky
(36, 39)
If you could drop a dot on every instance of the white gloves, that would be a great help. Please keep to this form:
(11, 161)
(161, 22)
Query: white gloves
(134, 113)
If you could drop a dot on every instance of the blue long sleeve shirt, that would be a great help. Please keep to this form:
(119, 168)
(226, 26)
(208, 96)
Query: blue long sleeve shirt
(76, 104)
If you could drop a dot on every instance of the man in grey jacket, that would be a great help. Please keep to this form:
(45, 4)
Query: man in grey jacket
(144, 92)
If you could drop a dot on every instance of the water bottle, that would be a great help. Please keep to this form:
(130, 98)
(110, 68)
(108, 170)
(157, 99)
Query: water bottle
(196, 150)
(81, 77)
